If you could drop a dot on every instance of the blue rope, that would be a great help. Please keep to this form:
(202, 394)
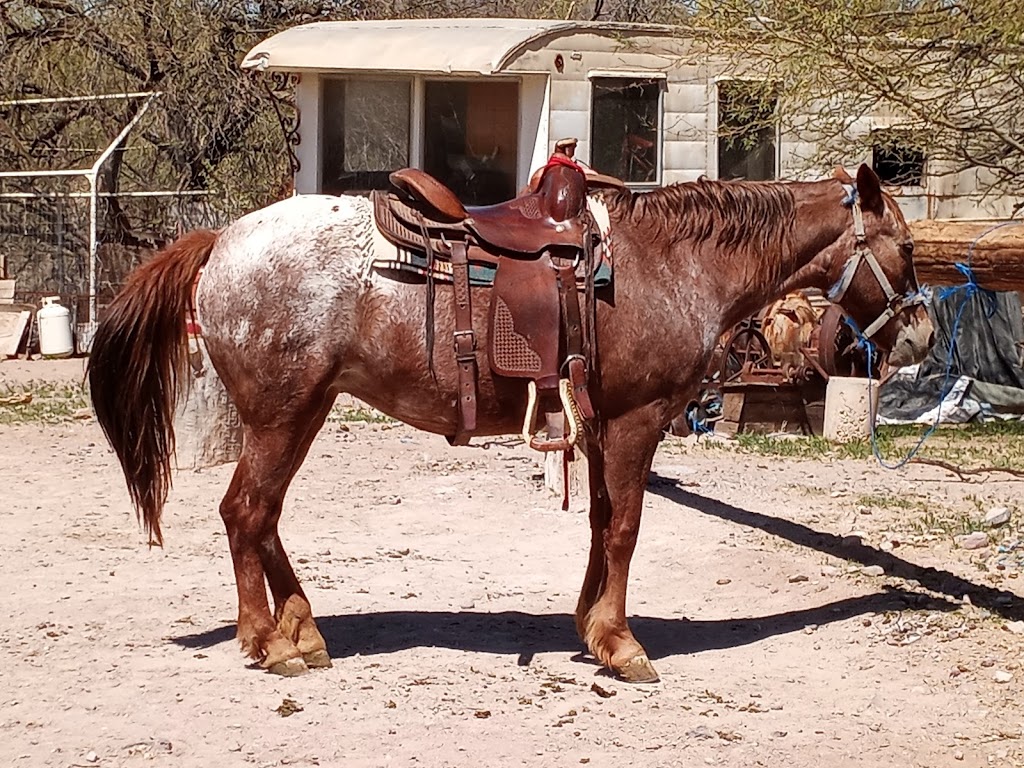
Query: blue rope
(970, 288)
(697, 425)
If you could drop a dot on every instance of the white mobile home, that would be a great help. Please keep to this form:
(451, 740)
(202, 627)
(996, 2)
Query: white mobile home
(479, 103)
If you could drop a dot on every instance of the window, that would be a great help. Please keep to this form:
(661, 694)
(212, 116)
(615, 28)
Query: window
(469, 131)
(471, 135)
(746, 130)
(896, 159)
(365, 133)
(625, 121)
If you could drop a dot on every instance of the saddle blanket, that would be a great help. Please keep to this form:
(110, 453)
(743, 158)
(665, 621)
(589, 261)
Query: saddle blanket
(392, 257)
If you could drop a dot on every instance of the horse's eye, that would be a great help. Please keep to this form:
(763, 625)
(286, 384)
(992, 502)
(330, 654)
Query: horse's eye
(907, 248)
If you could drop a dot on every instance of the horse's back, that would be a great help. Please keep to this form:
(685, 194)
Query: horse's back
(281, 286)
(304, 230)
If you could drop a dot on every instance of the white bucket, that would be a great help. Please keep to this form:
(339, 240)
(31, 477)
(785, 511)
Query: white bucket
(848, 409)
(55, 337)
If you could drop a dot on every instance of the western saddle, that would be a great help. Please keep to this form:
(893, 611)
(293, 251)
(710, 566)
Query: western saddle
(533, 244)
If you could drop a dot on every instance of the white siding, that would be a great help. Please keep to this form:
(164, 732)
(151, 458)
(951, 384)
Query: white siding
(534, 102)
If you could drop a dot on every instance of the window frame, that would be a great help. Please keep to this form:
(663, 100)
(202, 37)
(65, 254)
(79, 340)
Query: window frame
(322, 111)
(714, 169)
(661, 79)
(419, 109)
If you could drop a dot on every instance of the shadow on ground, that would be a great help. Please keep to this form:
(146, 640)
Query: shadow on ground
(1006, 604)
(523, 634)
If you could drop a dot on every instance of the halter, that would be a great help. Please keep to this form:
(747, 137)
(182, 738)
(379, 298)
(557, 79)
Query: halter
(863, 253)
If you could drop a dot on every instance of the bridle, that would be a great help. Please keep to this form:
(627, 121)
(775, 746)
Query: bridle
(862, 253)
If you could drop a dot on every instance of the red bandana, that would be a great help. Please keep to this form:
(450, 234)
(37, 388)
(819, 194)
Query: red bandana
(563, 160)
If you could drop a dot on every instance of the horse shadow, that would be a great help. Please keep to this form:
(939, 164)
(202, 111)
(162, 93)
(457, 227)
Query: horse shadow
(527, 634)
(1001, 602)
(514, 633)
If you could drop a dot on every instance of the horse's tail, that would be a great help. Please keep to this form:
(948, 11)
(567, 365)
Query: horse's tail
(136, 369)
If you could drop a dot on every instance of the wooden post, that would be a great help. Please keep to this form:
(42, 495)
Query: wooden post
(997, 258)
(579, 477)
(207, 429)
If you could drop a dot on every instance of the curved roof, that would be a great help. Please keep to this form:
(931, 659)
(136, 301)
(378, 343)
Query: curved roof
(456, 46)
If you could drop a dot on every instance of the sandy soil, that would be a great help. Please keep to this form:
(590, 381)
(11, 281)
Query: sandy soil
(63, 371)
(444, 581)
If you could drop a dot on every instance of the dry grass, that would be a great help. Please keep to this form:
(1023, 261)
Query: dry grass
(38, 402)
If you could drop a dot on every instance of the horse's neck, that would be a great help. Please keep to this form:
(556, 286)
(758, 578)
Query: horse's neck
(819, 221)
(824, 224)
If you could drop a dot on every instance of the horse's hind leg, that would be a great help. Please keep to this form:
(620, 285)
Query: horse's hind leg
(251, 509)
(291, 607)
(619, 471)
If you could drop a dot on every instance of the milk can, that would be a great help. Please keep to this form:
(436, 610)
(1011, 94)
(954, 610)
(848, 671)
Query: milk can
(54, 321)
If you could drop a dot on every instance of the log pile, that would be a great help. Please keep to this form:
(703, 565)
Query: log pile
(998, 255)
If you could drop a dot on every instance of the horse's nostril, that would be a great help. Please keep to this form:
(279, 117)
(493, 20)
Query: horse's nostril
(931, 339)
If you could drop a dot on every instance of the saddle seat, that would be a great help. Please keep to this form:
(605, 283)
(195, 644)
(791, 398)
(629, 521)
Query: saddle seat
(550, 217)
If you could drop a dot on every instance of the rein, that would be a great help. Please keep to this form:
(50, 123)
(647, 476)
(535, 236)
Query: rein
(862, 253)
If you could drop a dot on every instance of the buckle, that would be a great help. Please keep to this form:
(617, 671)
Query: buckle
(460, 352)
(569, 359)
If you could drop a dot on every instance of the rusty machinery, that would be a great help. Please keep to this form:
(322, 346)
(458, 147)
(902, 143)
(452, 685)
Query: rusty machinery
(743, 358)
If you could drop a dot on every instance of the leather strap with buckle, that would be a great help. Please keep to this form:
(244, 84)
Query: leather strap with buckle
(464, 341)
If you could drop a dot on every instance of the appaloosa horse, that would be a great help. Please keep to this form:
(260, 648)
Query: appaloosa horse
(294, 313)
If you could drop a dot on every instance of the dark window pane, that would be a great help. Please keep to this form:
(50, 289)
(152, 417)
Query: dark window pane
(365, 133)
(471, 138)
(746, 130)
(897, 161)
(624, 128)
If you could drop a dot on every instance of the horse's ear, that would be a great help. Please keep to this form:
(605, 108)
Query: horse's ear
(869, 188)
(841, 174)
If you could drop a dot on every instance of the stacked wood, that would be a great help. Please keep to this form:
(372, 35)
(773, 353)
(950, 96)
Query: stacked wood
(997, 257)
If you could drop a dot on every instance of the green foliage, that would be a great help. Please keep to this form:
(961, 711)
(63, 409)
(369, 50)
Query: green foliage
(213, 128)
(354, 413)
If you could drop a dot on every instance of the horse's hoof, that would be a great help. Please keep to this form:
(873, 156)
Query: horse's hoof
(638, 670)
(318, 659)
(289, 667)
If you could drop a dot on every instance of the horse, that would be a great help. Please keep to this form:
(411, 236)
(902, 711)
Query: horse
(294, 312)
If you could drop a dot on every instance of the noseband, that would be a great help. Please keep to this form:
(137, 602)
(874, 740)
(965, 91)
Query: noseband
(862, 253)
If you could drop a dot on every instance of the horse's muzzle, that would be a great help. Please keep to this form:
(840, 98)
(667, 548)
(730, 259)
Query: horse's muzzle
(913, 340)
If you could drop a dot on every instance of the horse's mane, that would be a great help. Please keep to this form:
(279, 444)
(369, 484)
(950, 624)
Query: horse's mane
(739, 217)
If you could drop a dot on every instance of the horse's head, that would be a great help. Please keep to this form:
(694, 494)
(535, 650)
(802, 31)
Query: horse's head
(871, 271)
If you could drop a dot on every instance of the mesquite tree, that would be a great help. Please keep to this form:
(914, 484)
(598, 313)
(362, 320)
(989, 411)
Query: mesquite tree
(945, 77)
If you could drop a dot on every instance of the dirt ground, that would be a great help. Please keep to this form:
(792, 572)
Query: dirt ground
(444, 581)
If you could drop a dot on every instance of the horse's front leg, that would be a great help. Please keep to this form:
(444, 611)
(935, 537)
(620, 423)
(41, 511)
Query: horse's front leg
(620, 461)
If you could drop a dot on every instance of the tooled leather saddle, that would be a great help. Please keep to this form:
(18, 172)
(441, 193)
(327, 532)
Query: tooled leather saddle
(534, 244)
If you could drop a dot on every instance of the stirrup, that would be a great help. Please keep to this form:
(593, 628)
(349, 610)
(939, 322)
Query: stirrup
(572, 415)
